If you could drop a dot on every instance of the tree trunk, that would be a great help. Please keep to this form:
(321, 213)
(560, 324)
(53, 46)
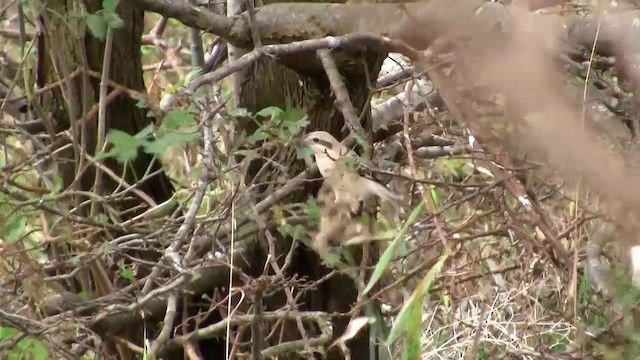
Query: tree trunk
(65, 46)
(301, 82)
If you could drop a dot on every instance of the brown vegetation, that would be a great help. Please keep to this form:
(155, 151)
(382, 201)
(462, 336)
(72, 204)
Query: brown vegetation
(198, 245)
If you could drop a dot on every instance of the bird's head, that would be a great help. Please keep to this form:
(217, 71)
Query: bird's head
(321, 142)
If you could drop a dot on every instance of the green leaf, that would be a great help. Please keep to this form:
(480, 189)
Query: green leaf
(258, 135)
(120, 138)
(248, 154)
(7, 332)
(295, 232)
(192, 75)
(164, 143)
(359, 140)
(113, 20)
(331, 260)
(270, 111)
(97, 25)
(14, 227)
(35, 347)
(381, 266)
(124, 146)
(145, 134)
(305, 153)
(365, 219)
(58, 185)
(390, 251)
(293, 128)
(435, 196)
(101, 218)
(110, 5)
(413, 332)
(414, 303)
(125, 272)
(292, 115)
(312, 209)
(146, 50)
(451, 166)
(177, 118)
(350, 161)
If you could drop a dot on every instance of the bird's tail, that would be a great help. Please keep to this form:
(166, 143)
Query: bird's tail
(383, 192)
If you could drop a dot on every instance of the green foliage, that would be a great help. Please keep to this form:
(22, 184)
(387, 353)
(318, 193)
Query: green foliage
(436, 196)
(350, 162)
(453, 167)
(482, 353)
(105, 19)
(281, 124)
(294, 231)
(623, 341)
(147, 50)
(390, 251)
(312, 209)
(7, 332)
(192, 75)
(124, 147)
(125, 272)
(26, 348)
(585, 297)
(409, 320)
(237, 112)
(110, 5)
(305, 153)
(164, 143)
(178, 118)
(14, 227)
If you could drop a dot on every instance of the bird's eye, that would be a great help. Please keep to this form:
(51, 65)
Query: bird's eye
(315, 139)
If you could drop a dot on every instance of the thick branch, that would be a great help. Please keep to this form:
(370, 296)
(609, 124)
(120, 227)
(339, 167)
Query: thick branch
(282, 23)
(195, 17)
(115, 318)
(286, 22)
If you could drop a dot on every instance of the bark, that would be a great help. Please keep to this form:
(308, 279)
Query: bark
(271, 82)
(64, 46)
(298, 81)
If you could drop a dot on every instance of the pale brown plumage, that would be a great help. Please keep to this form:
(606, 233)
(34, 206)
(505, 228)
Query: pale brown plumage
(341, 194)
(338, 223)
(330, 155)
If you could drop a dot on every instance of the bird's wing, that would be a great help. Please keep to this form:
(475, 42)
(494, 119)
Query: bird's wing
(381, 191)
(338, 223)
(352, 160)
(352, 181)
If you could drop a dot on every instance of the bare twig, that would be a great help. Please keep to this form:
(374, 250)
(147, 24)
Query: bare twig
(341, 94)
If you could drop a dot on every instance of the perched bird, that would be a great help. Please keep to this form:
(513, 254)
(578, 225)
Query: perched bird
(326, 150)
(342, 193)
(338, 223)
(346, 182)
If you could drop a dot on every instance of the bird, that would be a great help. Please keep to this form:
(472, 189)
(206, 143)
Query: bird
(338, 223)
(342, 193)
(347, 184)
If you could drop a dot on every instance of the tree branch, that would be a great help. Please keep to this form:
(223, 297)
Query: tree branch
(306, 21)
